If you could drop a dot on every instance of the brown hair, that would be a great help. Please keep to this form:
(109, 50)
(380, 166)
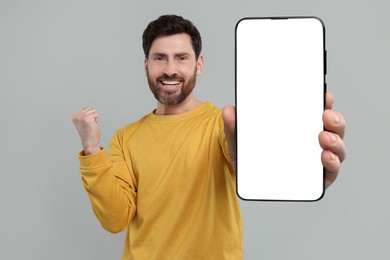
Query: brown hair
(169, 25)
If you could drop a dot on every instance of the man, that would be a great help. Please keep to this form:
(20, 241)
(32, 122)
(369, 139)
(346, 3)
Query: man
(169, 178)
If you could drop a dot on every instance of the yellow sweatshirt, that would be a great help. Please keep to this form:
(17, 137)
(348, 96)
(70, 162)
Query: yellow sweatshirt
(168, 180)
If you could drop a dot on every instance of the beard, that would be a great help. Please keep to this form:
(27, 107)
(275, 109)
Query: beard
(175, 96)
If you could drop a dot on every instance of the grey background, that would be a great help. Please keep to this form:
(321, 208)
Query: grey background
(57, 57)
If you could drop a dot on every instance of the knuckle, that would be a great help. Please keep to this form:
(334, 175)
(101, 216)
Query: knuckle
(75, 117)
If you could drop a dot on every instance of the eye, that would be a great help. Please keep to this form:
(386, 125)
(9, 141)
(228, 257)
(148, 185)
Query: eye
(182, 58)
(158, 58)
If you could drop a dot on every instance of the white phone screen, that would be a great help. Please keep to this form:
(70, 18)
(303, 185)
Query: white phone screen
(280, 87)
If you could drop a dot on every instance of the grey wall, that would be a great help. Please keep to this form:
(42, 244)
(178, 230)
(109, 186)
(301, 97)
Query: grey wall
(57, 57)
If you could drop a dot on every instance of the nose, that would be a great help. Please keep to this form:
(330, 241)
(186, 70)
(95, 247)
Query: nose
(170, 68)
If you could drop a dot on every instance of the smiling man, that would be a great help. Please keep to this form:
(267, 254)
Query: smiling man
(169, 178)
(171, 68)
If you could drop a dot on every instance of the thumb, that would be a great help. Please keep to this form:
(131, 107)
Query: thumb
(229, 119)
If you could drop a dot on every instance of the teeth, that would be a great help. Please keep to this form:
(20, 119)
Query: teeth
(167, 82)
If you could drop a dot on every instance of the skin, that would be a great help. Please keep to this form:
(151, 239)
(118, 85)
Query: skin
(173, 57)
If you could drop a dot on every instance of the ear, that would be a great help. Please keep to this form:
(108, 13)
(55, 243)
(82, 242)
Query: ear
(200, 65)
(146, 65)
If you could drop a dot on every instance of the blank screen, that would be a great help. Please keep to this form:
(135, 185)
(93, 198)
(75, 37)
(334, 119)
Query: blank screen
(280, 86)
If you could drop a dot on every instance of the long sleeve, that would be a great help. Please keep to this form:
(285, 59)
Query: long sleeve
(109, 185)
(168, 179)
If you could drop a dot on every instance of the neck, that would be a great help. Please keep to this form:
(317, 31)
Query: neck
(188, 104)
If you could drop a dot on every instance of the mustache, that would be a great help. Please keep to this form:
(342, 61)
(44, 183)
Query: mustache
(172, 78)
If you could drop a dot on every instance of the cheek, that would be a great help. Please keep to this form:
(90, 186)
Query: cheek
(148, 71)
(153, 71)
(189, 71)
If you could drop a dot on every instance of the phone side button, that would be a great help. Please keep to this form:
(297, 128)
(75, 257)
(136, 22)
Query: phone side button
(325, 62)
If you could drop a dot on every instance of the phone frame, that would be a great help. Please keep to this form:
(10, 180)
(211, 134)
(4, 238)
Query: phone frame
(237, 106)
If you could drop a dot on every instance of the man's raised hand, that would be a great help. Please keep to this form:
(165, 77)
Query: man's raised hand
(86, 124)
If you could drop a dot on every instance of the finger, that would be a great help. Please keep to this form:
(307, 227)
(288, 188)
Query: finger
(332, 142)
(87, 114)
(229, 119)
(334, 122)
(88, 110)
(329, 100)
(331, 164)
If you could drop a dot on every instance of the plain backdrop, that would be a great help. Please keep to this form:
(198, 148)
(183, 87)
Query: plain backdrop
(57, 57)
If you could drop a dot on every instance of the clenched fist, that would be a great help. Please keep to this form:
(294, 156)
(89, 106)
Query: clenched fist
(86, 124)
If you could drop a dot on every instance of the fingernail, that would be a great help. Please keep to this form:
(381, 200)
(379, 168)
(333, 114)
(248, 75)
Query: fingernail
(335, 118)
(332, 138)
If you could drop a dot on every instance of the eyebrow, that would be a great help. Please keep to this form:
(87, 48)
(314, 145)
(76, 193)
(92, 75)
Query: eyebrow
(165, 55)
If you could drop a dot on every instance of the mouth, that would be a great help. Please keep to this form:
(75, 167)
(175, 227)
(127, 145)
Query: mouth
(170, 82)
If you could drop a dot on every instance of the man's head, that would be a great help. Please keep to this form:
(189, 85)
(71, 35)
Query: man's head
(172, 48)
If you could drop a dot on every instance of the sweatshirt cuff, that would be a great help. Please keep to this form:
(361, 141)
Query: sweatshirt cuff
(92, 161)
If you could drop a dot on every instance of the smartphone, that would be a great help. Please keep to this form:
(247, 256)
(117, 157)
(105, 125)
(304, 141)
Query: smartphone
(280, 99)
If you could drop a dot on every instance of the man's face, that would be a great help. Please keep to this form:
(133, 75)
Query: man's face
(172, 68)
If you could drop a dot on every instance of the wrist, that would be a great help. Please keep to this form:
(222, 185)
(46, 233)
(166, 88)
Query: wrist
(91, 150)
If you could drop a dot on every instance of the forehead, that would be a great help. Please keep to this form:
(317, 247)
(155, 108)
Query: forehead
(176, 43)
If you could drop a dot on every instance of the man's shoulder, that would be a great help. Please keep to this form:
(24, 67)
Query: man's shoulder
(130, 128)
(211, 110)
(134, 125)
(214, 112)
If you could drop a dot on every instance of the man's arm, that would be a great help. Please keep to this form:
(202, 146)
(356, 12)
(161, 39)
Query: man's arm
(105, 178)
